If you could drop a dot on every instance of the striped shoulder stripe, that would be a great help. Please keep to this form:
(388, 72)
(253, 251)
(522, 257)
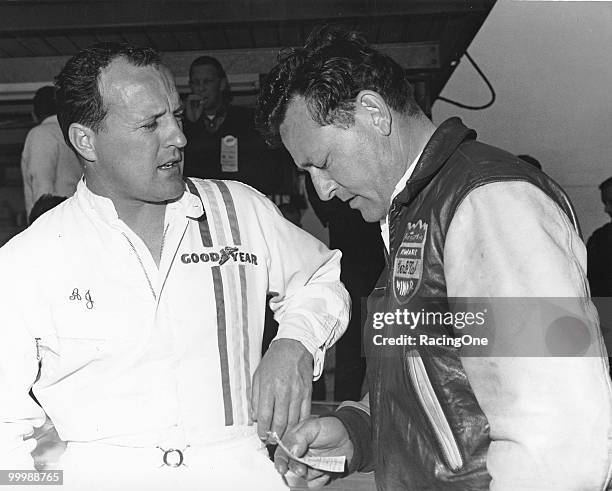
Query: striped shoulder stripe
(231, 210)
(216, 212)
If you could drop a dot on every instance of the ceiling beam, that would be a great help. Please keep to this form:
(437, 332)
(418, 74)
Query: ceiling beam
(24, 16)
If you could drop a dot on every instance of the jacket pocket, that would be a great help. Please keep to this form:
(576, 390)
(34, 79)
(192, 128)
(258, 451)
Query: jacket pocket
(433, 410)
(81, 337)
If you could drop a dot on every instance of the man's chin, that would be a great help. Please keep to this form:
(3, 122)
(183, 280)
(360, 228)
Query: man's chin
(178, 193)
(169, 193)
(371, 216)
(176, 196)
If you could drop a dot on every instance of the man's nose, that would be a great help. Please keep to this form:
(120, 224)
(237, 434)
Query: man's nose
(176, 137)
(324, 186)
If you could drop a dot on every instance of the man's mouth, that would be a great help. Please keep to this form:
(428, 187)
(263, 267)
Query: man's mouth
(169, 165)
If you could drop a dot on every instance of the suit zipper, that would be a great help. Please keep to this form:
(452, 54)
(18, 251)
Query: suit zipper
(433, 410)
(141, 266)
(163, 242)
(140, 260)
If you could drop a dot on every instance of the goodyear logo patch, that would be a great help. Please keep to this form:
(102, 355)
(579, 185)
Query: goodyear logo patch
(225, 255)
(408, 263)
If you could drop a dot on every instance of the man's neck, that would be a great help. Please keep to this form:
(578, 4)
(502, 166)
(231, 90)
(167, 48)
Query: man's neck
(413, 134)
(145, 219)
(137, 212)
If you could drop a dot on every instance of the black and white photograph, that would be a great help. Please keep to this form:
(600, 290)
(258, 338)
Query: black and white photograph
(270, 245)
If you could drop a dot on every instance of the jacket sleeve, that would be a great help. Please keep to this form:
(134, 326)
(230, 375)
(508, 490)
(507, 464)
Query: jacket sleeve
(309, 302)
(355, 416)
(550, 416)
(19, 414)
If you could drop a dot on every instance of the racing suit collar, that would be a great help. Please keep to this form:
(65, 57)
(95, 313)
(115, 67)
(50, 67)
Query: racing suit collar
(188, 203)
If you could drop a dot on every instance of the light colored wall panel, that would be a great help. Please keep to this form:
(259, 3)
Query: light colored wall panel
(550, 65)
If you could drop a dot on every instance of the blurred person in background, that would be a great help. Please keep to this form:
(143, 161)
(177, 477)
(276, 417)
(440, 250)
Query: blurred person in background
(599, 248)
(222, 142)
(48, 165)
(45, 203)
(599, 266)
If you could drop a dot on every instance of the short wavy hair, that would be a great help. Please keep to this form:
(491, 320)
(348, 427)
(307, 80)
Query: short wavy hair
(78, 95)
(329, 71)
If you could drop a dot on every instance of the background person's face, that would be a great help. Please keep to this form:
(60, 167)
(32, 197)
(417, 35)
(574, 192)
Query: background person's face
(139, 150)
(206, 83)
(347, 163)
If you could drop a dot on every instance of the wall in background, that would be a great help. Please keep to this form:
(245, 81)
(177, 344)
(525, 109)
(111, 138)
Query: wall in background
(551, 66)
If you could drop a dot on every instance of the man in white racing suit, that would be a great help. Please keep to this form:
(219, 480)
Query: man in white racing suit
(135, 309)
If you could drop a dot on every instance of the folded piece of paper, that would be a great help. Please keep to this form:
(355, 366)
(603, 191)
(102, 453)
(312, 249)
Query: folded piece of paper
(327, 464)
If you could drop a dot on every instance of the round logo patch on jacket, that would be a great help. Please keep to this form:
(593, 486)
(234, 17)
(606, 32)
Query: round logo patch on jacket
(408, 263)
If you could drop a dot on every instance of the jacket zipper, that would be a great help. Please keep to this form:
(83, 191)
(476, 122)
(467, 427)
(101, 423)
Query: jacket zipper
(141, 266)
(163, 242)
(140, 260)
(433, 410)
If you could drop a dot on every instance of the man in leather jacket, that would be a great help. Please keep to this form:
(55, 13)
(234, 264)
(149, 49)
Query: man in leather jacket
(464, 224)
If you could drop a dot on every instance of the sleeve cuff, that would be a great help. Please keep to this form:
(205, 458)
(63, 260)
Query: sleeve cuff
(358, 426)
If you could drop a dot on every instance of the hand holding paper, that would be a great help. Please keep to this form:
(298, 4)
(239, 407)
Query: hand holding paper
(315, 449)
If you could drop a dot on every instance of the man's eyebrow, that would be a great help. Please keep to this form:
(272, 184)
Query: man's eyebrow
(154, 115)
(180, 109)
(308, 163)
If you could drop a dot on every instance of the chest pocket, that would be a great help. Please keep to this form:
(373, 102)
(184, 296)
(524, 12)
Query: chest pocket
(82, 336)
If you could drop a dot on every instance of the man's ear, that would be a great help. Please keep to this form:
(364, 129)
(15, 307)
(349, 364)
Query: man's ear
(83, 140)
(376, 109)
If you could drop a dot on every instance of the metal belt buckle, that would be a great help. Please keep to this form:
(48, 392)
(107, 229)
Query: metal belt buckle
(173, 457)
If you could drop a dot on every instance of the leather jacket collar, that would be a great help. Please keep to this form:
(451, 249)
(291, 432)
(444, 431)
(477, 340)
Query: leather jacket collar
(443, 143)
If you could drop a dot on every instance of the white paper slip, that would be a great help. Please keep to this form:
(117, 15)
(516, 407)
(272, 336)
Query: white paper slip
(327, 464)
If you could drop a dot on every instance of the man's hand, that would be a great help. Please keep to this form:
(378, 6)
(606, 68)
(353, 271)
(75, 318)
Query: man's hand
(193, 107)
(282, 386)
(314, 437)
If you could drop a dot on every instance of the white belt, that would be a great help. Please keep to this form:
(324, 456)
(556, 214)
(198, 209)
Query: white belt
(230, 465)
(100, 454)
